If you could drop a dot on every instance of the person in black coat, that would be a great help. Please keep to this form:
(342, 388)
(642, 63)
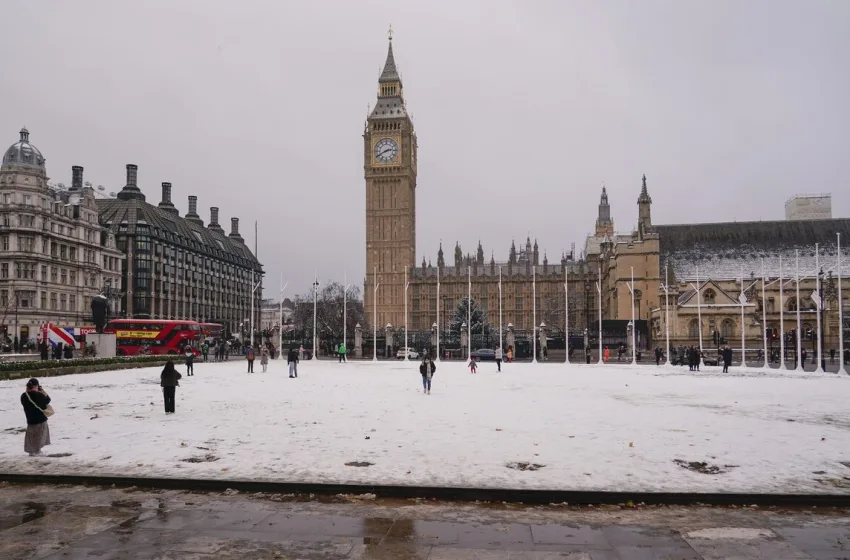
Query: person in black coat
(35, 401)
(292, 362)
(426, 370)
(169, 380)
(727, 359)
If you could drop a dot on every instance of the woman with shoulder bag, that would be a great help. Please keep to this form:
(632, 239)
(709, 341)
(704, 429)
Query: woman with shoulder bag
(426, 370)
(37, 407)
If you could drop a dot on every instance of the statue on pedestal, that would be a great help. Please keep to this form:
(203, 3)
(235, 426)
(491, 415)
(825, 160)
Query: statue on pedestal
(99, 312)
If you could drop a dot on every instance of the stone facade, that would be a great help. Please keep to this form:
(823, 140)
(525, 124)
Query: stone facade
(54, 254)
(389, 166)
(718, 257)
(178, 268)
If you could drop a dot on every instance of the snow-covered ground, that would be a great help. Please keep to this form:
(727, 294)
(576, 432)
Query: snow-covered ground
(591, 427)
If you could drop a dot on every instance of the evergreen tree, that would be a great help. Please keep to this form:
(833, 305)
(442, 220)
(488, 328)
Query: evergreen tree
(460, 316)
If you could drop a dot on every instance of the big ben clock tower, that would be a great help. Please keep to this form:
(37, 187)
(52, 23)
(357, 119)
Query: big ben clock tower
(389, 165)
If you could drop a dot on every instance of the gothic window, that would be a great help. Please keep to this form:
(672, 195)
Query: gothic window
(792, 304)
(727, 328)
(709, 296)
(693, 329)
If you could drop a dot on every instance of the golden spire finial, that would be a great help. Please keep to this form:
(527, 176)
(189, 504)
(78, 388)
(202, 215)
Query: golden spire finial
(390, 33)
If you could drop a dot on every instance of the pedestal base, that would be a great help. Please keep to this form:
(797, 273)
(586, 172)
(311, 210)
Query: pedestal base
(104, 344)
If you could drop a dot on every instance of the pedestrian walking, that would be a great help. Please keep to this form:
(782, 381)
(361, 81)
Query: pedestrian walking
(832, 355)
(804, 354)
(190, 361)
(205, 350)
(341, 351)
(169, 380)
(473, 365)
(292, 362)
(264, 358)
(301, 352)
(727, 359)
(499, 358)
(37, 408)
(249, 355)
(426, 370)
(658, 354)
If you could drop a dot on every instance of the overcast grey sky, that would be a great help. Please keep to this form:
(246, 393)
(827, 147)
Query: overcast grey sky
(523, 109)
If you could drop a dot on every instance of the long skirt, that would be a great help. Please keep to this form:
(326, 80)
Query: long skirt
(38, 435)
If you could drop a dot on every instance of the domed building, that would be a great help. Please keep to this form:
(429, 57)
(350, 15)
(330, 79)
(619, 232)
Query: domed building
(54, 255)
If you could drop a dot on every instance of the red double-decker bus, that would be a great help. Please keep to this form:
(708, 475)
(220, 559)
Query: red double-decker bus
(212, 331)
(154, 336)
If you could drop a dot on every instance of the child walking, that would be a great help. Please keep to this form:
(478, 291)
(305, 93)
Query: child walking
(473, 365)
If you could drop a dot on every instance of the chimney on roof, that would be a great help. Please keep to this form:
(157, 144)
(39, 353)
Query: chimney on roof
(131, 190)
(76, 178)
(192, 214)
(214, 225)
(234, 230)
(166, 204)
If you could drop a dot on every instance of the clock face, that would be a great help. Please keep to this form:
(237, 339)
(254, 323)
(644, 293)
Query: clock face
(385, 150)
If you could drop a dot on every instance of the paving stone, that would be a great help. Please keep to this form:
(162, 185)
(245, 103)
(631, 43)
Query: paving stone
(565, 534)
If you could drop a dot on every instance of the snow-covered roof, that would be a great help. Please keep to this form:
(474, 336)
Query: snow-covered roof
(723, 250)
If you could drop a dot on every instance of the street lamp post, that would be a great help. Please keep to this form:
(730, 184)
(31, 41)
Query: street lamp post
(699, 316)
(315, 305)
(469, 312)
(345, 310)
(782, 365)
(406, 286)
(500, 309)
(567, 318)
(817, 296)
(764, 317)
(799, 334)
(280, 314)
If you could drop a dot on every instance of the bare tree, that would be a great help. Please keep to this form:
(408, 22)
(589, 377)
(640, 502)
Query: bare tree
(329, 311)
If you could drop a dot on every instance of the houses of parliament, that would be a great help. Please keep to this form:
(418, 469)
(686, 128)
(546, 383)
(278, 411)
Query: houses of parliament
(690, 275)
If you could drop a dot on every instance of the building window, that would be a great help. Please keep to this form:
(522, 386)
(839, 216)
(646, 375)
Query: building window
(27, 220)
(4, 270)
(73, 278)
(53, 300)
(708, 296)
(727, 329)
(4, 242)
(6, 221)
(4, 298)
(44, 273)
(64, 276)
(63, 252)
(63, 302)
(693, 329)
(43, 300)
(54, 274)
(72, 302)
(771, 305)
(27, 200)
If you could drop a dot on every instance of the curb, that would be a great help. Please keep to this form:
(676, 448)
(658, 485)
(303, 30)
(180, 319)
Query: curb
(531, 497)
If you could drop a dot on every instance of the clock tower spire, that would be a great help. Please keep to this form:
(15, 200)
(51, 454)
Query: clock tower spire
(389, 167)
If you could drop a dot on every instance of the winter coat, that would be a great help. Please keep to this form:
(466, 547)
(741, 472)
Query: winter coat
(498, 353)
(727, 357)
(190, 358)
(264, 356)
(292, 356)
(170, 377)
(341, 349)
(34, 412)
(423, 369)
(250, 354)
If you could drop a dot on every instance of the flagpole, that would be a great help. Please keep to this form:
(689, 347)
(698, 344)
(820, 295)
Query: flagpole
(799, 343)
(667, 311)
(841, 368)
(699, 318)
(406, 285)
(439, 326)
(742, 299)
(345, 310)
(764, 317)
(534, 313)
(634, 323)
(599, 289)
(500, 312)
(469, 313)
(819, 301)
(375, 316)
(567, 317)
(782, 365)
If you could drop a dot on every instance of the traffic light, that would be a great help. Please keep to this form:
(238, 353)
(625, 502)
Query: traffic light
(775, 334)
(769, 332)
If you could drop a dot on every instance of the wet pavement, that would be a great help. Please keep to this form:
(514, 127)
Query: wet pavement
(63, 522)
